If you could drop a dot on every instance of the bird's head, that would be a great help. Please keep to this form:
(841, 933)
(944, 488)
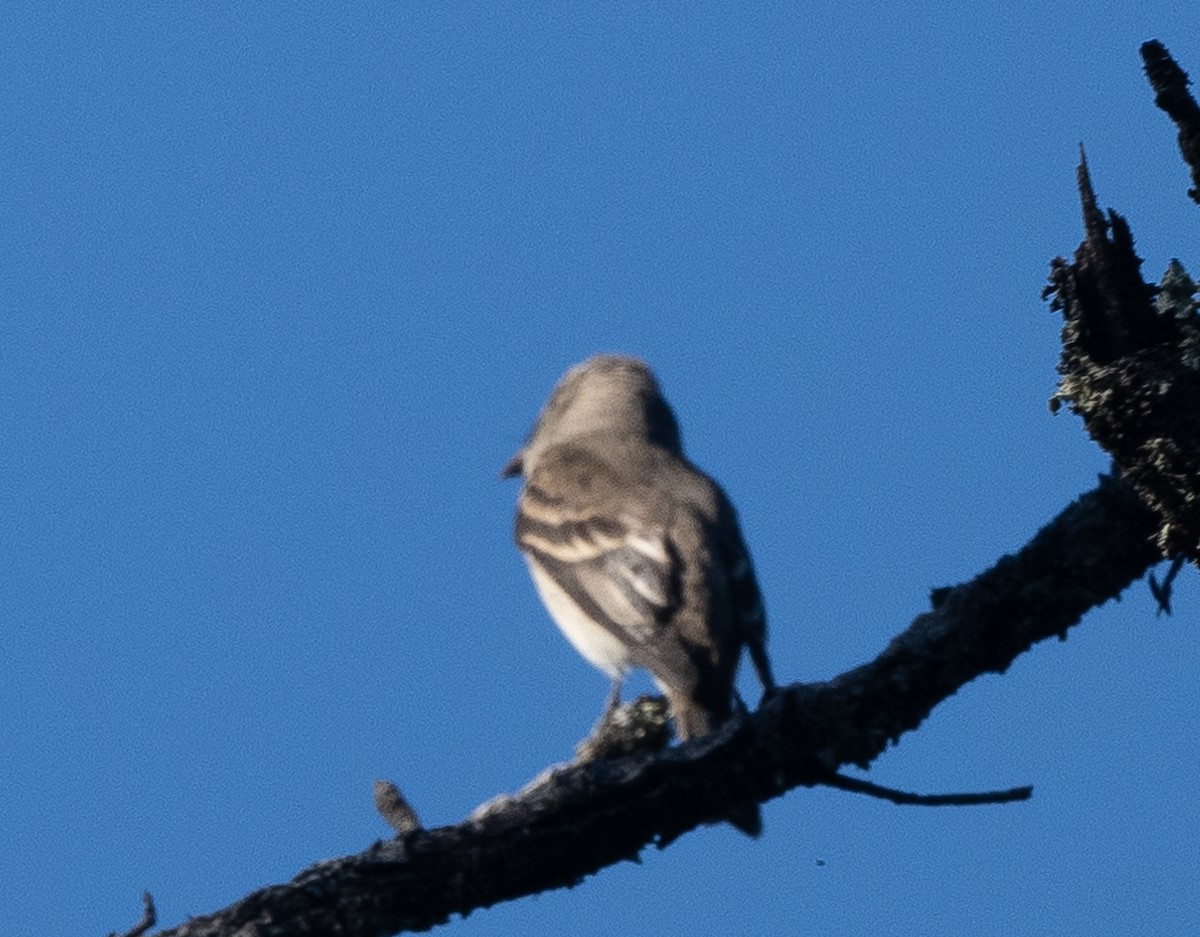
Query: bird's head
(604, 394)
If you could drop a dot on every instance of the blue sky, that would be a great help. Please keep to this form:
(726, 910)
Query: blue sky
(283, 288)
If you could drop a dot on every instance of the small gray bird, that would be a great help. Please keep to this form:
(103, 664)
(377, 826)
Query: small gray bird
(634, 551)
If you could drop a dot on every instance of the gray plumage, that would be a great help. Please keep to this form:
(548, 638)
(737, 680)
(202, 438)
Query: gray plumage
(636, 553)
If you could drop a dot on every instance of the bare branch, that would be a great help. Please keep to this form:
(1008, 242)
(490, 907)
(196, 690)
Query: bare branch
(1170, 84)
(1130, 368)
(576, 819)
(149, 919)
(859, 786)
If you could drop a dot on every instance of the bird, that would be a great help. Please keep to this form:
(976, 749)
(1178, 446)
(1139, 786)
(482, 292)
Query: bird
(637, 554)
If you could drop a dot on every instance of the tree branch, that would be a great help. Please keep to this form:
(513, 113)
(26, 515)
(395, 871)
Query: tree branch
(904, 798)
(1130, 368)
(1170, 84)
(1130, 361)
(576, 819)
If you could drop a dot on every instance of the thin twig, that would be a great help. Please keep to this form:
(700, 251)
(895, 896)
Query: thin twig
(858, 786)
(393, 807)
(1162, 591)
(149, 919)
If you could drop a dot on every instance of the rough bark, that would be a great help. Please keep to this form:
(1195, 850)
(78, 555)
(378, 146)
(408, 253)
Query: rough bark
(1170, 83)
(1130, 361)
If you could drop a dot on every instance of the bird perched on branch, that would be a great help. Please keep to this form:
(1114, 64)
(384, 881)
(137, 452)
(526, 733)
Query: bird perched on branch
(635, 552)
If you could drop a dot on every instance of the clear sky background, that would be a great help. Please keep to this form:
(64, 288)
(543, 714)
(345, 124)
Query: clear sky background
(283, 287)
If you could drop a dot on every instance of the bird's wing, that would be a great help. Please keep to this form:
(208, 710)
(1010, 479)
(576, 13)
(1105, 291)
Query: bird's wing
(744, 593)
(611, 554)
(619, 571)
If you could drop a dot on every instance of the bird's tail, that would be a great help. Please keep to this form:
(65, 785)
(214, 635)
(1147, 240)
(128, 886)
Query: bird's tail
(747, 818)
(693, 721)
